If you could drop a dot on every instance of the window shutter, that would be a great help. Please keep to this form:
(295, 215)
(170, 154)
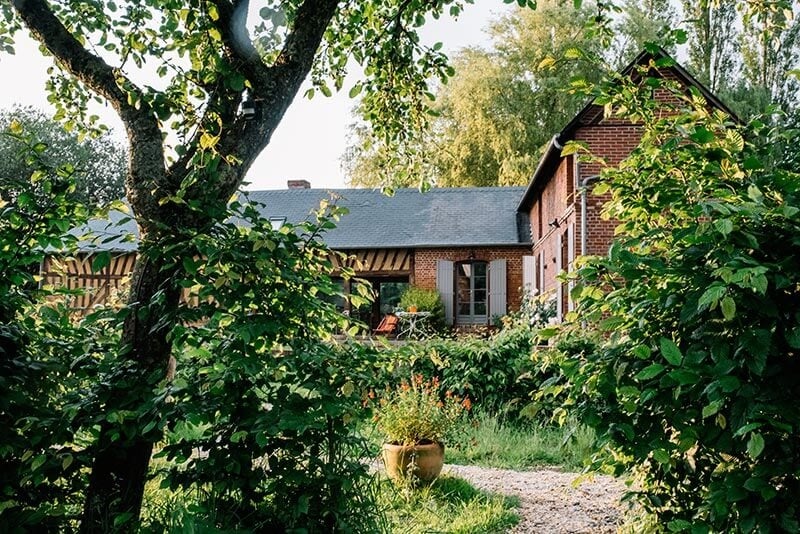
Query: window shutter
(529, 275)
(497, 288)
(445, 286)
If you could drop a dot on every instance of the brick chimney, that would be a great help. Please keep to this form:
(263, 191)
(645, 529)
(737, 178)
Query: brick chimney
(298, 184)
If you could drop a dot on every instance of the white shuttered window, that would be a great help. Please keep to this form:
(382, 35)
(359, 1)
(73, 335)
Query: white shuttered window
(497, 288)
(444, 284)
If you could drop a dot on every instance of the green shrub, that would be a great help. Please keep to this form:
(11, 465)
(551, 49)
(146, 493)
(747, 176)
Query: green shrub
(692, 378)
(497, 372)
(261, 388)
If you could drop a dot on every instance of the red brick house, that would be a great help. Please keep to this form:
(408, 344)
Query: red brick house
(480, 248)
(564, 216)
(466, 243)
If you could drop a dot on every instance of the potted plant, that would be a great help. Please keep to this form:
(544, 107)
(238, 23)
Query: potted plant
(415, 420)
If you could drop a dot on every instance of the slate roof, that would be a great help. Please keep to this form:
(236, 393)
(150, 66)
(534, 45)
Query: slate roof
(446, 217)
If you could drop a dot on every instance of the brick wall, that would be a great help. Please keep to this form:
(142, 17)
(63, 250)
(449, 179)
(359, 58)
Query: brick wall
(425, 262)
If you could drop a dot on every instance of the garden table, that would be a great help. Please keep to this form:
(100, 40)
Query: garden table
(411, 323)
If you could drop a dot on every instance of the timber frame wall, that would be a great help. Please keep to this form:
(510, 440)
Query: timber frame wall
(75, 273)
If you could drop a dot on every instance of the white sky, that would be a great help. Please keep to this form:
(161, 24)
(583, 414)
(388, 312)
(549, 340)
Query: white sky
(312, 137)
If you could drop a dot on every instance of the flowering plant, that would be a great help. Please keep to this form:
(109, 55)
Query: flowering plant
(417, 412)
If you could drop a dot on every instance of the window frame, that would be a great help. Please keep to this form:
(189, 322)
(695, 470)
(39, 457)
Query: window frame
(472, 317)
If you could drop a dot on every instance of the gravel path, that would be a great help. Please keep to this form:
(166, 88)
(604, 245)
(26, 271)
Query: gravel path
(549, 504)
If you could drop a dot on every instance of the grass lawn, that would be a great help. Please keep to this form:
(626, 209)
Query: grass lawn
(449, 505)
(490, 442)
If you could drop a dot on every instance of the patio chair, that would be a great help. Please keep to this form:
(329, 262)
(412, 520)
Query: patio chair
(387, 326)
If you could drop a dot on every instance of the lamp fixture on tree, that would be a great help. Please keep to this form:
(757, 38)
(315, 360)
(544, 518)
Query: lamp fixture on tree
(248, 106)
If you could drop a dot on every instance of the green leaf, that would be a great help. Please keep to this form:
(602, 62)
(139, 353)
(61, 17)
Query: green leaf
(650, 371)
(37, 462)
(755, 193)
(122, 518)
(755, 445)
(702, 135)
(348, 388)
(749, 427)
(547, 63)
(712, 408)
(723, 226)
(236, 82)
(684, 377)
(355, 90)
(728, 308)
(711, 296)
(670, 351)
(661, 456)
(679, 525)
(101, 260)
(793, 337)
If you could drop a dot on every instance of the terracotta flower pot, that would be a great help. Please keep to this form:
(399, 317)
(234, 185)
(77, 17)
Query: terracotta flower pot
(427, 460)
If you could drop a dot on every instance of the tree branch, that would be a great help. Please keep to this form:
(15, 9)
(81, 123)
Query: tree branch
(275, 87)
(147, 172)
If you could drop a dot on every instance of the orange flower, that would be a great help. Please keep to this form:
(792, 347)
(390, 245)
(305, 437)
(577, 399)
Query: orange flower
(371, 394)
(448, 394)
(440, 404)
(467, 404)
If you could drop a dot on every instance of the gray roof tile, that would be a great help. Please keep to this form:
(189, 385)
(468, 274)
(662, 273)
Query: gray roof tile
(443, 217)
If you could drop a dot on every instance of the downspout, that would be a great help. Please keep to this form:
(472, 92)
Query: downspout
(584, 224)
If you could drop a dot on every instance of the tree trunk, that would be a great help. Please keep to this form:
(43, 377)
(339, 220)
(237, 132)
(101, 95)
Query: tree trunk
(119, 472)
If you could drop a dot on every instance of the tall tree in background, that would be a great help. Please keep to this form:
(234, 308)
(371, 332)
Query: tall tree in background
(500, 108)
(641, 22)
(99, 162)
(770, 50)
(713, 41)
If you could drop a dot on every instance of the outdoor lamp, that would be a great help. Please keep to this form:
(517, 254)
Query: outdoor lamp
(248, 107)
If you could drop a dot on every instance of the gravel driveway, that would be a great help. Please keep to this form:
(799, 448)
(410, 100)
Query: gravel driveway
(549, 504)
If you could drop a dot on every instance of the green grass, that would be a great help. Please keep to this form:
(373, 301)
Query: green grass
(450, 505)
(489, 441)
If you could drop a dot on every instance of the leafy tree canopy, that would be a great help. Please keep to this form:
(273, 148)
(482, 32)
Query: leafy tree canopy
(502, 105)
(98, 162)
(493, 117)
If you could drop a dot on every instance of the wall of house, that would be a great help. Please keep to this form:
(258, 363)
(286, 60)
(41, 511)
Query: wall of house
(557, 245)
(109, 284)
(425, 262)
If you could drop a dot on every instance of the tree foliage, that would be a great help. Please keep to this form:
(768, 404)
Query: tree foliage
(499, 109)
(503, 104)
(641, 22)
(691, 378)
(40, 459)
(98, 163)
(191, 143)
